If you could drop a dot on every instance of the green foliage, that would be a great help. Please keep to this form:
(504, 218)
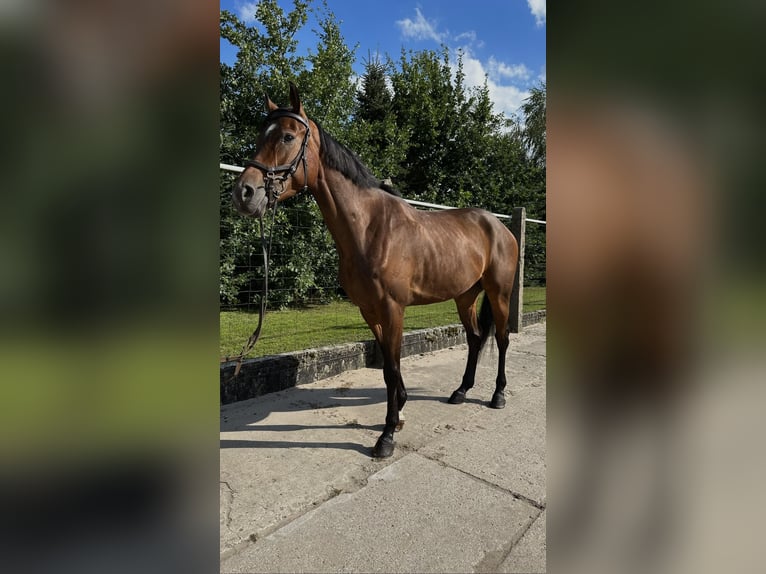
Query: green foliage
(326, 85)
(375, 136)
(412, 120)
(303, 259)
(374, 100)
(533, 133)
(424, 107)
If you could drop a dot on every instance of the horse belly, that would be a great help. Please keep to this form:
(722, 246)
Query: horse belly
(441, 278)
(436, 289)
(369, 290)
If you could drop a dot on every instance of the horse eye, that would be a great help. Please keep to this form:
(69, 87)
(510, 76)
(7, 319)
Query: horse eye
(288, 138)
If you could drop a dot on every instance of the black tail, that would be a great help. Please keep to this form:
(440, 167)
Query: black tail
(486, 321)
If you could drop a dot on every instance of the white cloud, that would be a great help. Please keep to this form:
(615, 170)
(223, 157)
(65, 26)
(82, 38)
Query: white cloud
(537, 7)
(505, 98)
(420, 28)
(499, 70)
(506, 82)
(247, 11)
(470, 36)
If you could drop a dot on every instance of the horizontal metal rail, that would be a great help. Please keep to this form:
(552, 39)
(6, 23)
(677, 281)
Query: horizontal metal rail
(237, 169)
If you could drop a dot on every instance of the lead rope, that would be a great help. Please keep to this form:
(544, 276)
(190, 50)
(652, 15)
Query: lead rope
(270, 172)
(266, 251)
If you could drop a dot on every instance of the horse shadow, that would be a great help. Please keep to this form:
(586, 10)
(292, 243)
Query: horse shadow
(306, 398)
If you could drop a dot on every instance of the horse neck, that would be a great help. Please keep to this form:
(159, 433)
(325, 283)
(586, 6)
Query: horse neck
(345, 208)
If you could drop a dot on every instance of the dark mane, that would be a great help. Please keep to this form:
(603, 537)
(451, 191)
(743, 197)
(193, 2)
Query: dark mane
(338, 157)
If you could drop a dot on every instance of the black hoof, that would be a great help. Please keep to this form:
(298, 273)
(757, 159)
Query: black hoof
(498, 401)
(457, 398)
(384, 447)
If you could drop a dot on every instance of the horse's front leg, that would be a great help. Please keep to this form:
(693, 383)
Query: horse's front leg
(385, 445)
(391, 344)
(401, 398)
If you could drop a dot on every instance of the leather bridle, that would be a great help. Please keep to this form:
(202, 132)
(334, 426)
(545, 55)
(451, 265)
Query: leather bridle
(280, 173)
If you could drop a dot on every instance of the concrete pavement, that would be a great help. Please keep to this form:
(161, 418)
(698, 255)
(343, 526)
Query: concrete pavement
(464, 491)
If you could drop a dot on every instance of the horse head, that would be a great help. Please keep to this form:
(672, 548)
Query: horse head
(281, 166)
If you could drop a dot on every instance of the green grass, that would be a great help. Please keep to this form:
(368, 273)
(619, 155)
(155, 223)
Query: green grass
(334, 323)
(534, 299)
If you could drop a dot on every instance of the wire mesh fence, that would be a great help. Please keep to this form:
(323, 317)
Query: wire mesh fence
(307, 306)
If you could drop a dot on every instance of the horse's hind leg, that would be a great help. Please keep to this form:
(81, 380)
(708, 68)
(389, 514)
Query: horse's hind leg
(466, 308)
(498, 398)
(500, 310)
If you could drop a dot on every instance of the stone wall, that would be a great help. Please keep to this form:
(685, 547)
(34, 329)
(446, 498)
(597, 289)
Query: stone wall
(277, 372)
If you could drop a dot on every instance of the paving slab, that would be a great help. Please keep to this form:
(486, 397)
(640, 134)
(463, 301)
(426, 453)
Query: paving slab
(287, 455)
(415, 515)
(528, 555)
(507, 449)
(291, 470)
(286, 452)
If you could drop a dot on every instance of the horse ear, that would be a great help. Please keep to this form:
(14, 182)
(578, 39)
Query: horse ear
(295, 100)
(270, 106)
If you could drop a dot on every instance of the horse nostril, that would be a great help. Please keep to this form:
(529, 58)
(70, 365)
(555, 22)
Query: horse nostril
(247, 191)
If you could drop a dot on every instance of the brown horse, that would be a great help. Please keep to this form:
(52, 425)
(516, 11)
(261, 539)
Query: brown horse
(391, 255)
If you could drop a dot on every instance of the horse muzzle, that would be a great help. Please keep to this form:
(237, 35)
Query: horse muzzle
(250, 198)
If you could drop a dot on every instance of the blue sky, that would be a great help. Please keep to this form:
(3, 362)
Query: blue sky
(502, 39)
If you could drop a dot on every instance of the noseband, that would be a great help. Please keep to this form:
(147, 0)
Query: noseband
(280, 173)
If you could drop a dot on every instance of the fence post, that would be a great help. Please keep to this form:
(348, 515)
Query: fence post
(518, 228)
